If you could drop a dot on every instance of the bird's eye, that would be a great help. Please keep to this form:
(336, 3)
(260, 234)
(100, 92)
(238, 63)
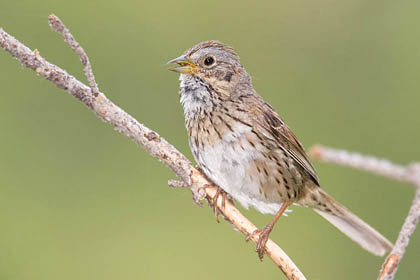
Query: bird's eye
(208, 61)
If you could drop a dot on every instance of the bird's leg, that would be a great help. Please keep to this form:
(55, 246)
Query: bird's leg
(265, 232)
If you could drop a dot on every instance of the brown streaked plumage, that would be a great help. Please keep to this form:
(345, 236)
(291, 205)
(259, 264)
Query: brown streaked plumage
(243, 146)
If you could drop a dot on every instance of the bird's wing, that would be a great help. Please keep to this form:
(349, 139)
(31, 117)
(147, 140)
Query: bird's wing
(278, 132)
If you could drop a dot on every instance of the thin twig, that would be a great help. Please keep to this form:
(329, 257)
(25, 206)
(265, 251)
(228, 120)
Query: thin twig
(57, 25)
(410, 174)
(392, 261)
(146, 138)
(372, 164)
(177, 184)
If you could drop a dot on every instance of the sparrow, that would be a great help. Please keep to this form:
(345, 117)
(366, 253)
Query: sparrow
(244, 147)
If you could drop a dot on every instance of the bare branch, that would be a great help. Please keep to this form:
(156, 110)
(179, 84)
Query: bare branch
(392, 261)
(57, 25)
(177, 184)
(146, 138)
(372, 164)
(410, 174)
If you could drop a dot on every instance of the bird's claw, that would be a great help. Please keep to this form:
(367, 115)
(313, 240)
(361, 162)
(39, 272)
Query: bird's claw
(200, 193)
(213, 202)
(263, 235)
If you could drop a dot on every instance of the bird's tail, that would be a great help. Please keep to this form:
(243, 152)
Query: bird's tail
(351, 225)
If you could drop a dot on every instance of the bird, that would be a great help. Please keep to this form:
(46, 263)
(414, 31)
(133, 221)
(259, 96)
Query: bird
(244, 147)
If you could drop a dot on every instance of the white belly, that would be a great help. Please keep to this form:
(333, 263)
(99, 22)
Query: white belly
(233, 169)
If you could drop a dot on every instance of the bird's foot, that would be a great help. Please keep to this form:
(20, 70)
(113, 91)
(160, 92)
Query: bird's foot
(263, 235)
(213, 201)
(219, 193)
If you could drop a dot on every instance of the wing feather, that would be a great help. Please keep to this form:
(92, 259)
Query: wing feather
(274, 128)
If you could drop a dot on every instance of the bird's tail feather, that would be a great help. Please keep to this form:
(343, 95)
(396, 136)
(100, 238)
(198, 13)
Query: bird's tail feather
(351, 225)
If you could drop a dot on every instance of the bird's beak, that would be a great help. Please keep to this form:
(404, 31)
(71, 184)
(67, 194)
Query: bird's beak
(185, 66)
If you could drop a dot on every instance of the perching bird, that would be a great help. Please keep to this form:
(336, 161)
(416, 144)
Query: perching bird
(244, 147)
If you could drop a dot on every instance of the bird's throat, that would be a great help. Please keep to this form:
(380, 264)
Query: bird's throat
(197, 97)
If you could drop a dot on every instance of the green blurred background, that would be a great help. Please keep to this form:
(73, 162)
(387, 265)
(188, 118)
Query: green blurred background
(80, 201)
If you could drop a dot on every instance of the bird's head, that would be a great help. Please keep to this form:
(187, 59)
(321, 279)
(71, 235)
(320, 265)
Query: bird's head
(214, 64)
